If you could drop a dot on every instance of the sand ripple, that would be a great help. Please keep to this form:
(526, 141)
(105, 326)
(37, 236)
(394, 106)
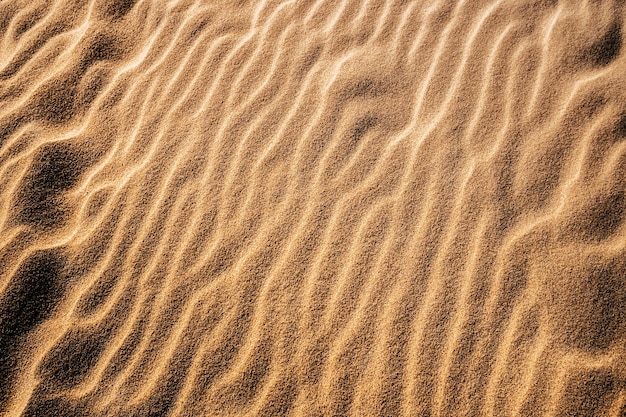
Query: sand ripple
(316, 208)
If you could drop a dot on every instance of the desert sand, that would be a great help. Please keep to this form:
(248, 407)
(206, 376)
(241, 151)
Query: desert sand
(312, 208)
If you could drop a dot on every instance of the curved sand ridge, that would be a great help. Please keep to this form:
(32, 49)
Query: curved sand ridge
(316, 208)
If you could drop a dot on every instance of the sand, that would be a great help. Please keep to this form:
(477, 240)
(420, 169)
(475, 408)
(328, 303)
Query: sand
(312, 208)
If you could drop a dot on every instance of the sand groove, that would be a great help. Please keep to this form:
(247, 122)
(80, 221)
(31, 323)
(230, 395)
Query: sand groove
(318, 208)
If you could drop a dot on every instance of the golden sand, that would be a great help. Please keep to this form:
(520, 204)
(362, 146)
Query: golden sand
(312, 208)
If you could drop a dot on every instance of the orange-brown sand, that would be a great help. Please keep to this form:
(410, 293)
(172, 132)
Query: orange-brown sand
(312, 208)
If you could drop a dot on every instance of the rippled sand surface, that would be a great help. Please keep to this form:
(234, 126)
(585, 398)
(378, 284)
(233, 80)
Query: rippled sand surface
(312, 208)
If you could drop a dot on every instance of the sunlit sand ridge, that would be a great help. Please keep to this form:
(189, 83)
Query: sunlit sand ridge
(312, 208)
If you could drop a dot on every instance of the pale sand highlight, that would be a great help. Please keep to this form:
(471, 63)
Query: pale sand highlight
(312, 208)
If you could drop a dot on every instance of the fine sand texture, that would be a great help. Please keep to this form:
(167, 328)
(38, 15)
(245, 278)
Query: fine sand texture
(312, 208)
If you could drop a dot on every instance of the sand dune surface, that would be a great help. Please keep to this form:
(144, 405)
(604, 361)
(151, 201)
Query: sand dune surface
(312, 208)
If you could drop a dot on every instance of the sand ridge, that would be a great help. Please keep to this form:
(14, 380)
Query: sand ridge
(312, 208)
